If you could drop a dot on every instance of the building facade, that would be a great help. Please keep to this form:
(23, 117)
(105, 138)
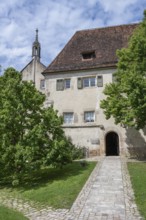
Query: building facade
(74, 84)
(75, 81)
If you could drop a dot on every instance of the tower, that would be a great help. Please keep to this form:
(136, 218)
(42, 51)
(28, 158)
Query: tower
(33, 70)
(36, 48)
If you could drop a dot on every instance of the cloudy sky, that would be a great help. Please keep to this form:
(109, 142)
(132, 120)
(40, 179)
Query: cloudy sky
(57, 21)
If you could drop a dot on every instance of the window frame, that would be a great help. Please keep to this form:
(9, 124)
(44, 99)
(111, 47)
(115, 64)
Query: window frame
(65, 83)
(69, 121)
(89, 81)
(42, 85)
(59, 85)
(91, 117)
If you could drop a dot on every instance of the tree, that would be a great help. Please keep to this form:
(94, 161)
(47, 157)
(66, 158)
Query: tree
(126, 98)
(30, 135)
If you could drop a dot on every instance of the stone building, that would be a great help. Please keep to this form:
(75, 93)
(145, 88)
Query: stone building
(75, 81)
(32, 71)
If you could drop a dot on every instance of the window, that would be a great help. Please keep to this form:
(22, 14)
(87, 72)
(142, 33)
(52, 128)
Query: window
(67, 83)
(89, 82)
(42, 84)
(86, 82)
(92, 81)
(99, 81)
(68, 117)
(88, 55)
(60, 85)
(89, 116)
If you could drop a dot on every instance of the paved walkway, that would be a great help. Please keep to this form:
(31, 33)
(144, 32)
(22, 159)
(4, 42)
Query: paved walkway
(107, 195)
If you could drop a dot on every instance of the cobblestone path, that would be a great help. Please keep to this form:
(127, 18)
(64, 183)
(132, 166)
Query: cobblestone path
(107, 195)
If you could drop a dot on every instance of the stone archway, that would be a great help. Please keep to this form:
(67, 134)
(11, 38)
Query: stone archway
(112, 144)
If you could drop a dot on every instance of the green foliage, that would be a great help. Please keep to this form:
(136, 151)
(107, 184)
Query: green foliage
(30, 135)
(79, 152)
(126, 98)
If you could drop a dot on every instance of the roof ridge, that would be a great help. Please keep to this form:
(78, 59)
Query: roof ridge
(108, 27)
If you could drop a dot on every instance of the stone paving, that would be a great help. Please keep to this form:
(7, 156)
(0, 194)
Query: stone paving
(107, 195)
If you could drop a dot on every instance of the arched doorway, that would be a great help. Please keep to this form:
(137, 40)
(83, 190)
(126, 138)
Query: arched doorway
(112, 144)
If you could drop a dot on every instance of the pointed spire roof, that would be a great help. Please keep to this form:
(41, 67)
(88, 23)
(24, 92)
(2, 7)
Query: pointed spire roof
(36, 47)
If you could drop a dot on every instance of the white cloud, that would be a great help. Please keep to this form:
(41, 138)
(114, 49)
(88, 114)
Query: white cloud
(57, 21)
(122, 11)
(116, 6)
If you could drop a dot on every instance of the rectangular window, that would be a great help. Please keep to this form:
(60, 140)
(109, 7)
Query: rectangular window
(60, 85)
(89, 116)
(67, 83)
(42, 84)
(68, 117)
(100, 81)
(86, 82)
(92, 81)
(89, 82)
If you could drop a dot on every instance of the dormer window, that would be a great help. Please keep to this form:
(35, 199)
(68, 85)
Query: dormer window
(88, 55)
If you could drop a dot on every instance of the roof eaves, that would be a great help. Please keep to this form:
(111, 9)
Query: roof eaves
(103, 66)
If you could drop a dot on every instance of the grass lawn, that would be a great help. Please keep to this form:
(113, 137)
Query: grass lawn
(137, 172)
(57, 188)
(9, 214)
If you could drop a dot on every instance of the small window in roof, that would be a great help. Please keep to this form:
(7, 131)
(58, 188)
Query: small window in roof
(88, 55)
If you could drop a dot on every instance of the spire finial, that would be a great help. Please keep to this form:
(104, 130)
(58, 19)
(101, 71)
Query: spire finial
(36, 34)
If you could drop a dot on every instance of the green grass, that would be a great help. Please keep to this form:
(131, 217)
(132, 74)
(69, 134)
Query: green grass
(138, 178)
(57, 188)
(9, 214)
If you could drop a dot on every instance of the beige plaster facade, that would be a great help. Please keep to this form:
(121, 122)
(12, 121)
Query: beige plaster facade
(77, 101)
(91, 135)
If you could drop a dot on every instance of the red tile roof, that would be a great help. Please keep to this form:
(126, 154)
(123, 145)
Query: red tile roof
(104, 41)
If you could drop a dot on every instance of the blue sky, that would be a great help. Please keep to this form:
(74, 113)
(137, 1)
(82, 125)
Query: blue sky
(57, 21)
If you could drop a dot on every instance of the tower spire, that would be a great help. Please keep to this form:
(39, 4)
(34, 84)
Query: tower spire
(36, 48)
(36, 38)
